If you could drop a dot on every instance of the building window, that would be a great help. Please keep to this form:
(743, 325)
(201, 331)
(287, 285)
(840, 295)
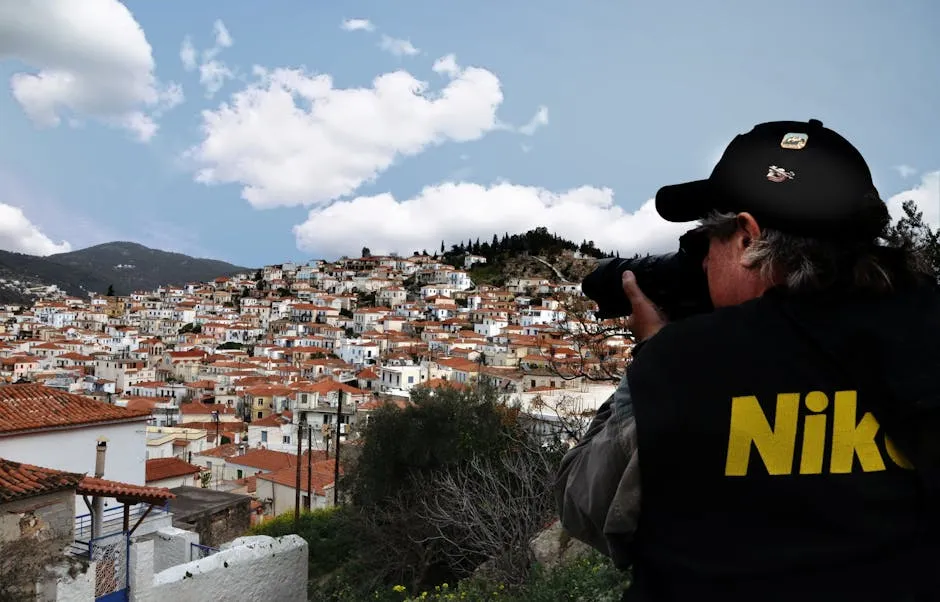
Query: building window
(260, 415)
(286, 439)
(264, 436)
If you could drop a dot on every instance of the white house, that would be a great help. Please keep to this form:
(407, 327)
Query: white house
(469, 260)
(55, 429)
(401, 377)
(171, 473)
(491, 326)
(278, 489)
(358, 353)
(274, 432)
(459, 280)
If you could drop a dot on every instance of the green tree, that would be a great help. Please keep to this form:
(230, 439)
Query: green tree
(912, 231)
(110, 292)
(417, 468)
(366, 252)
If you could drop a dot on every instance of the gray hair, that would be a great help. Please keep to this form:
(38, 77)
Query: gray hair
(802, 263)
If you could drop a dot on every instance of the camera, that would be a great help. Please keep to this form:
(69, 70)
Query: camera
(675, 282)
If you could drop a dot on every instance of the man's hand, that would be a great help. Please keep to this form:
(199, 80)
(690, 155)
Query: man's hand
(646, 319)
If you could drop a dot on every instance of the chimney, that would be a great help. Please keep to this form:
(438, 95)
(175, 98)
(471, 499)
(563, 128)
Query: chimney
(102, 449)
(97, 505)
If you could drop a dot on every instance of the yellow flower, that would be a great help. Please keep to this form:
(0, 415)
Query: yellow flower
(399, 588)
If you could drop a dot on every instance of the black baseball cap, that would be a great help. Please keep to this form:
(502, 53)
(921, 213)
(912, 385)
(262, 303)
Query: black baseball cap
(794, 176)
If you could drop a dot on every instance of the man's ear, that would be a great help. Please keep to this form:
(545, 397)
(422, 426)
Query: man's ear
(748, 230)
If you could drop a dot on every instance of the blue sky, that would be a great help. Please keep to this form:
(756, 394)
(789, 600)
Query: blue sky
(637, 95)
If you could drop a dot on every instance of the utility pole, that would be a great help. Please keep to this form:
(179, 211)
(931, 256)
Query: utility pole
(300, 427)
(339, 417)
(309, 465)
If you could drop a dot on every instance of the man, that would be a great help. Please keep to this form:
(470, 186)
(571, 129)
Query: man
(746, 454)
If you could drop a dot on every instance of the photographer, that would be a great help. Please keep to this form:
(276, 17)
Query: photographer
(784, 444)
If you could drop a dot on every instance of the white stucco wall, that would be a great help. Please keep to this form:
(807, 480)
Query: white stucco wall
(247, 569)
(285, 497)
(174, 482)
(171, 546)
(67, 588)
(74, 450)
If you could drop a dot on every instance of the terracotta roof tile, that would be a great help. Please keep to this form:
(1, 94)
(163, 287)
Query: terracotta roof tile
(269, 460)
(166, 468)
(124, 491)
(18, 480)
(30, 406)
(321, 475)
(226, 450)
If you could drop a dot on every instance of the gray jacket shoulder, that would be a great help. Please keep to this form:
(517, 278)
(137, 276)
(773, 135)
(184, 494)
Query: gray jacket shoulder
(597, 486)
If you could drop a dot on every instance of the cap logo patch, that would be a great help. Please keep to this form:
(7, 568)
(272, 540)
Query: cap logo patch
(794, 141)
(779, 174)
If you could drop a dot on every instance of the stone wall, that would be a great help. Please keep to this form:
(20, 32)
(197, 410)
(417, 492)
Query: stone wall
(33, 534)
(50, 516)
(222, 525)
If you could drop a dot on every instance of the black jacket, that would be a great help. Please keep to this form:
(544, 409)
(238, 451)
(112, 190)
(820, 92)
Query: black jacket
(788, 451)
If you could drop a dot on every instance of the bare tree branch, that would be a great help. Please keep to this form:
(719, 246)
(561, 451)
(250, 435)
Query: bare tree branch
(584, 347)
(489, 509)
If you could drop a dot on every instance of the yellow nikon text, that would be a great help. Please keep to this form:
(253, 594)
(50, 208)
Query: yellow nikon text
(823, 422)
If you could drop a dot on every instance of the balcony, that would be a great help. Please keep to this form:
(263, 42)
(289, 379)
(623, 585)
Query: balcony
(113, 521)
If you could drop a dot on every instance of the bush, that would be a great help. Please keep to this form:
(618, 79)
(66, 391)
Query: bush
(437, 489)
(331, 540)
(590, 578)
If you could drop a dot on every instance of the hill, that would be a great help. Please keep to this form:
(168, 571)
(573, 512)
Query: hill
(533, 254)
(126, 266)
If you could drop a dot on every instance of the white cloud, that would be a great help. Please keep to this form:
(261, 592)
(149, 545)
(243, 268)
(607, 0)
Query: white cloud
(446, 65)
(906, 171)
(291, 138)
(213, 73)
(538, 120)
(188, 54)
(18, 234)
(89, 58)
(222, 37)
(398, 47)
(457, 211)
(926, 195)
(358, 25)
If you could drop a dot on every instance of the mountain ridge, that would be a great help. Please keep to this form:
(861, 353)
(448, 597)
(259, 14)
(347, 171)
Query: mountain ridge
(125, 265)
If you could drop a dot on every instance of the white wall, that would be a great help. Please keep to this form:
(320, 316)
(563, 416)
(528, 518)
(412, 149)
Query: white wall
(283, 497)
(174, 482)
(74, 450)
(248, 569)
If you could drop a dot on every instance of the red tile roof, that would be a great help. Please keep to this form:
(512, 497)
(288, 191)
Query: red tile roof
(226, 450)
(167, 468)
(19, 481)
(124, 492)
(321, 475)
(34, 407)
(269, 460)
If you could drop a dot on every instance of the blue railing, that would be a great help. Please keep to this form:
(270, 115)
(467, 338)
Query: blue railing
(197, 551)
(113, 519)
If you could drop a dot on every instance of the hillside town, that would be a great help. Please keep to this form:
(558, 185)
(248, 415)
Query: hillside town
(228, 394)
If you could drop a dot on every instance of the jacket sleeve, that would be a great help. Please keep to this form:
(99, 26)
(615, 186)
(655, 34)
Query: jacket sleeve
(597, 486)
